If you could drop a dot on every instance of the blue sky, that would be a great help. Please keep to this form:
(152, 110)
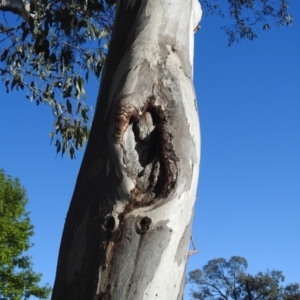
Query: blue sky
(249, 191)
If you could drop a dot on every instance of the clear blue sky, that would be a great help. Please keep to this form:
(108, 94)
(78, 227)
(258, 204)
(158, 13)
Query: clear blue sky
(249, 189)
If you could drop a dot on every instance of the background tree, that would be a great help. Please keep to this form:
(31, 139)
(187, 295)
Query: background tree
(222, 279)
(18, 281)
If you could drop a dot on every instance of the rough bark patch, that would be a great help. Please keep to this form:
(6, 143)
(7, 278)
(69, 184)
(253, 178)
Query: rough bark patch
(131, 255)
(154, 171)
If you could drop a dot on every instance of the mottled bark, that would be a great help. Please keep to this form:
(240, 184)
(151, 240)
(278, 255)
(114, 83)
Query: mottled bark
(127, 231)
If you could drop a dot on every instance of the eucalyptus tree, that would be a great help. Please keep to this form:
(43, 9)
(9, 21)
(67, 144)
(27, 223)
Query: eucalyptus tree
(48, 50)
(229, 280)
(127, 230)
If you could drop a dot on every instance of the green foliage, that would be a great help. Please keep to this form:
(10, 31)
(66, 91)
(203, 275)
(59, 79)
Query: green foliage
(247, 14)
(17, 279)
(50, 53)
(52, 47)
(221, 279)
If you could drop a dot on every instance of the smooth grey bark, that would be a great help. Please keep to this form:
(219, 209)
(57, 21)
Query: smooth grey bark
(127, 230)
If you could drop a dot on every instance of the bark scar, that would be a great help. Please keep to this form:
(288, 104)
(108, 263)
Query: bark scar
(150, 129)
(158, 144)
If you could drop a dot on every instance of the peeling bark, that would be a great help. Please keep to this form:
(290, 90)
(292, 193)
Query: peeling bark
(127, 231)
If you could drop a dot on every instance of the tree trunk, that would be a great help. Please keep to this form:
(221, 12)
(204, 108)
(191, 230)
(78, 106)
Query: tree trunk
(127, 231)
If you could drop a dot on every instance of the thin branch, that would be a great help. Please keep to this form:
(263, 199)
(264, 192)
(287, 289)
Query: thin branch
(218, 290)
(16, 7)
(193, 244)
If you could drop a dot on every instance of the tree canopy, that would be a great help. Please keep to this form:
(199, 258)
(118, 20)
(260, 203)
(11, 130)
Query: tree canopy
(229, 280)
(18, 281)
(247, 17)
(50, 49)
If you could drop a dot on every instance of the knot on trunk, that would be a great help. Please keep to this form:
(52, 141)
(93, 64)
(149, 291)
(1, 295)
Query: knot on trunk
(143, 225)
(148, 158)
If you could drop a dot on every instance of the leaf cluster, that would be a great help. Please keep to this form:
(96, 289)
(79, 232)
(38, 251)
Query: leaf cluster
(47, 54)
(17, 279)
(228, 280)
(247, 14)
(51, 50)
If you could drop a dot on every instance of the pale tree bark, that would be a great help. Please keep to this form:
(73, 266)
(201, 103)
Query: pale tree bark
(127, 231)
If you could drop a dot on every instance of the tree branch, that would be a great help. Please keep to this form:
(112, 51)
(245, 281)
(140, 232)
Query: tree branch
(16, 7)
(217, 290)
(248, 290)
